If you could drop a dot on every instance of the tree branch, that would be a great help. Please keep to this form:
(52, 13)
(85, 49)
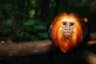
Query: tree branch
(25, 48)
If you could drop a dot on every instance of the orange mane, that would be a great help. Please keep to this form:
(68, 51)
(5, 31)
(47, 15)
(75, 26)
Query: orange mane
(56, 32)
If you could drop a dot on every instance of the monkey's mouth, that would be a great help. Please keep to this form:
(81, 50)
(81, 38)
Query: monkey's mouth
(67, 34)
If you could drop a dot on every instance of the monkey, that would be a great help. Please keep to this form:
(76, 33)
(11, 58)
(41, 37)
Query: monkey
(69, 36)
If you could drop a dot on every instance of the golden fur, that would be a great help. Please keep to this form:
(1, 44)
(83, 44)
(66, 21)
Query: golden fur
(57, 34)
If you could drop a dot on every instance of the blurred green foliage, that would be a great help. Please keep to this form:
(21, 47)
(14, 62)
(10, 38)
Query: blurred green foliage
(29, 19)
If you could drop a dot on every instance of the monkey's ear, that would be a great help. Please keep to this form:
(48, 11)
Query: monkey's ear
(85, 20)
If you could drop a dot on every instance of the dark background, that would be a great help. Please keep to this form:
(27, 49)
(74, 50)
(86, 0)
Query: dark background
(29, 20)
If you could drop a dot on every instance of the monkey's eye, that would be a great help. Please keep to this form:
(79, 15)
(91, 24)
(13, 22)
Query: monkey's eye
(64, 23)
(71, 24)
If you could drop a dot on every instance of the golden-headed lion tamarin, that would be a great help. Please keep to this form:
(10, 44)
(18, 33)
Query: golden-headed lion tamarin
(66, 31)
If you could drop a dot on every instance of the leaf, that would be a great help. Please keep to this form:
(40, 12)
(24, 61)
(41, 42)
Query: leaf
(34, 37)
(29, 22)
(39, 27)
(32, 13)
(43, 35)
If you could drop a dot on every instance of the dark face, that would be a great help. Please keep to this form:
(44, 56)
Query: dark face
(68, 27)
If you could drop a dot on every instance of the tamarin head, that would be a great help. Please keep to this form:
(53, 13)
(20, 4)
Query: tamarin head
(66, 31)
